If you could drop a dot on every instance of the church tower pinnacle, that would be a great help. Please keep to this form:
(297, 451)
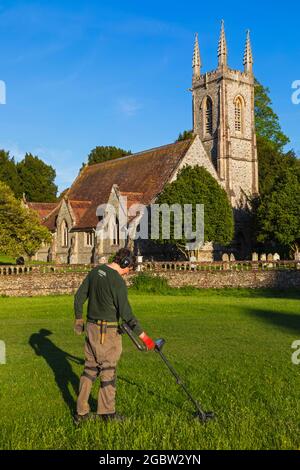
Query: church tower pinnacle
(196, 59)
(248, 57)
(222, 50)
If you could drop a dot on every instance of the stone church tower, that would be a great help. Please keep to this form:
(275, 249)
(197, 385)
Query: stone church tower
(223, 117)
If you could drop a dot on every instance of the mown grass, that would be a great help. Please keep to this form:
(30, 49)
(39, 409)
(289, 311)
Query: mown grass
(11, 261)
(7, 259)
(232, 349)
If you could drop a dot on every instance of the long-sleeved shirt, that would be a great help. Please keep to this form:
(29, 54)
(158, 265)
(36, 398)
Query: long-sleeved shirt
(107, 297)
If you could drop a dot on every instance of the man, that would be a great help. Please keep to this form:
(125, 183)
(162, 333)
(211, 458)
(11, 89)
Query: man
(108, 303)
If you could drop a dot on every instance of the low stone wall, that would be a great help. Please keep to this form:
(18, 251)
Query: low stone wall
(237, 279)
(40, 284)
(67, 283)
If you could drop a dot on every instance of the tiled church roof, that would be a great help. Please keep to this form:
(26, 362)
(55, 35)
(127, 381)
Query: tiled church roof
(142, 176)
(50, 221)
(132, 198)
(79, 208)
(42, 208)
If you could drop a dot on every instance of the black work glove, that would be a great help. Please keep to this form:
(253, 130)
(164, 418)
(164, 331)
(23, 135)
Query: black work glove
(79, 327)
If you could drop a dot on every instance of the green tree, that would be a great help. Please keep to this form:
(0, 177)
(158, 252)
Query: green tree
(37, 179)
(266, 120)
(275, 210)
(272, 163)
(8, 172)
(185, 135)
(21, 232)
(103, 154)
(277, 215)
(271, 140)
(196, 186)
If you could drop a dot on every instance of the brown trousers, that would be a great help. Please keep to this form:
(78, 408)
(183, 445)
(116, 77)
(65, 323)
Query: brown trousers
(100, 361)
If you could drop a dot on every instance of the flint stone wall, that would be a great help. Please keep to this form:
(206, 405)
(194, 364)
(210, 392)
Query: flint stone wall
(67, 283)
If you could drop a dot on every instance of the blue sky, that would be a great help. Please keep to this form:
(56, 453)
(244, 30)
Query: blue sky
(86, 73)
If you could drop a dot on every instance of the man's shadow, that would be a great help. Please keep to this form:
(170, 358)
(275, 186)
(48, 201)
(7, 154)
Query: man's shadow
(58, 360)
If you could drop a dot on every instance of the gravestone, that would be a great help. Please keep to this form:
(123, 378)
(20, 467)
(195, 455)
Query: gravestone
(2, 353)
(139, 263)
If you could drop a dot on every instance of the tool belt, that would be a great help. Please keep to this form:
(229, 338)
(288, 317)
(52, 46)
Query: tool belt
(103, 325)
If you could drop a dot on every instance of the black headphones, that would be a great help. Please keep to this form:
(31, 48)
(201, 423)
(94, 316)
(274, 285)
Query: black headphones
(126, 262)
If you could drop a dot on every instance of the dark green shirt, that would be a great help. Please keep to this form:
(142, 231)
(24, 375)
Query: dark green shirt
(108, 297)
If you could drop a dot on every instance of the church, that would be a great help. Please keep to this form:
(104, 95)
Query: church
(223, 142)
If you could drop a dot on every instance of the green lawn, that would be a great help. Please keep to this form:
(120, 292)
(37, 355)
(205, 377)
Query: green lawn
(7, 259)
(10, 260)
(232, 349)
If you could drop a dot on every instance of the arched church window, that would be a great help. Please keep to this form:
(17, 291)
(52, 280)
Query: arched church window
(64, 234)
(89, 239)
(208, 116)
(238, 112)
(116, 232)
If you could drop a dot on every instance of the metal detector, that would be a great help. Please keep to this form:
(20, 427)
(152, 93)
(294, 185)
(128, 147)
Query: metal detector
(204, 416)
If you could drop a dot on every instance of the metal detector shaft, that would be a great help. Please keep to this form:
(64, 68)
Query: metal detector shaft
(125, 329)
(159, 343)
(203, 415)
